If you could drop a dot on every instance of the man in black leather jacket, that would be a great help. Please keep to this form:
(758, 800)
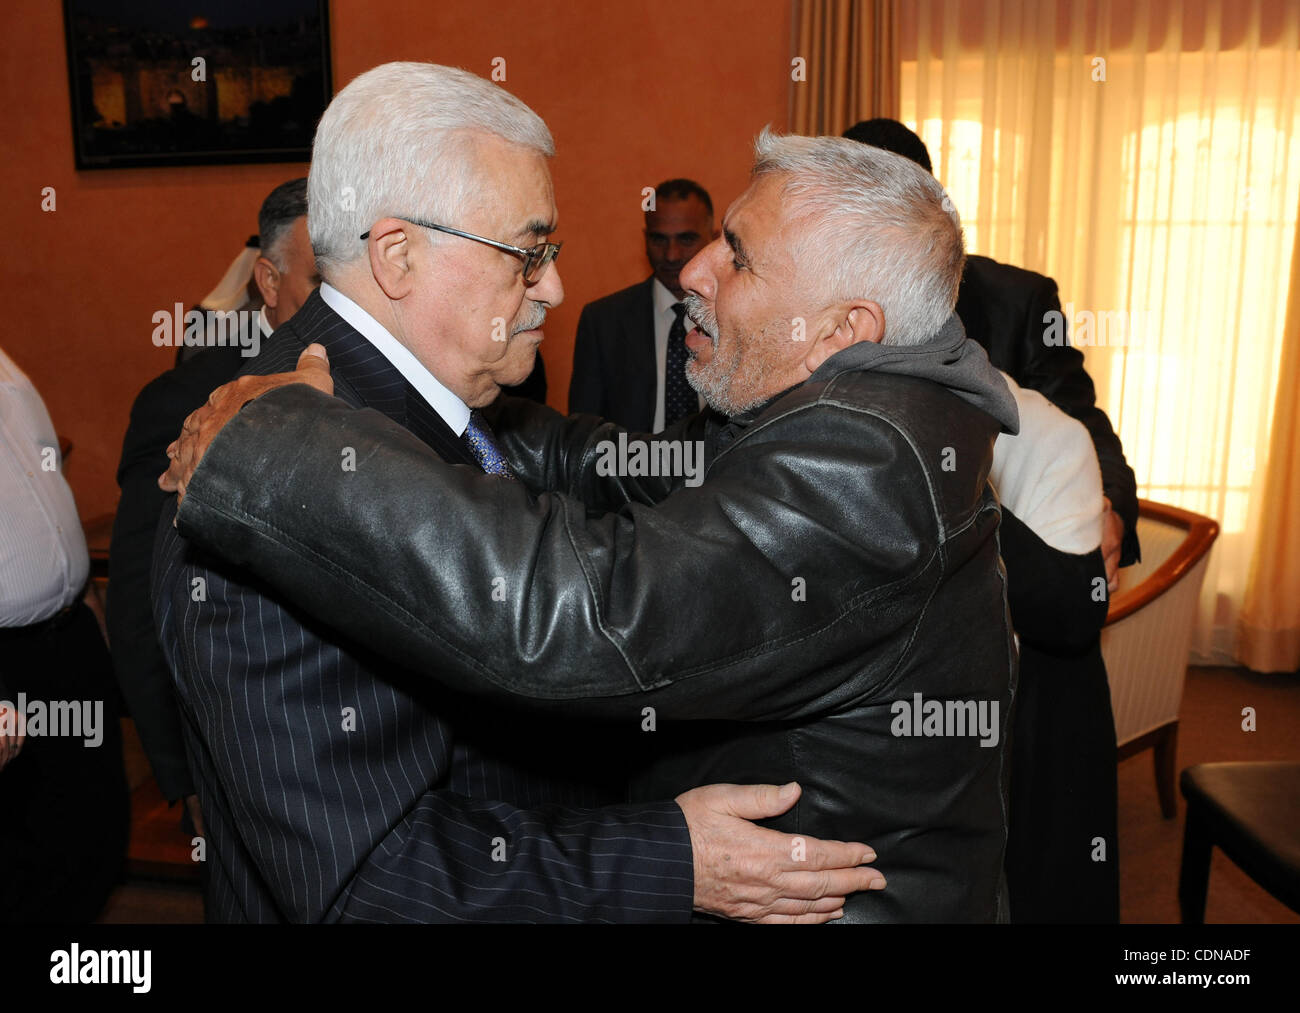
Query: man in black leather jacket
(826, 605)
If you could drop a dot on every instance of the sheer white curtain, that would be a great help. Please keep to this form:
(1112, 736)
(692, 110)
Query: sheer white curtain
(1145, 154)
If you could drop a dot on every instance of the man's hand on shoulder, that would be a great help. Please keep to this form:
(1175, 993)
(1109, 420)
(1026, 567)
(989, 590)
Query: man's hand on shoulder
(224, 403)
(752, 874)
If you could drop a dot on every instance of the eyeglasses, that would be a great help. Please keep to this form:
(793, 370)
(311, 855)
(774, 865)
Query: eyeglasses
(535, 259)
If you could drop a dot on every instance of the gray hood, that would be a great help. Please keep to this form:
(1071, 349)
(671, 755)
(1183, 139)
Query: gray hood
(949, 358)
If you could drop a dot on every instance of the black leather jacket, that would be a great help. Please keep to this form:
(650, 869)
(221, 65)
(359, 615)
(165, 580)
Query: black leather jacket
(839, 558)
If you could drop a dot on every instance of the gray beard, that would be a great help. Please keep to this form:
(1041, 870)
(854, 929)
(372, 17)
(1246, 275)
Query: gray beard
(716, 383)
(715, 389)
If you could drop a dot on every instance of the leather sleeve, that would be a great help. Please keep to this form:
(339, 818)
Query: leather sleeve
(586, 385)
(550, 452)
(1052, 594)
(546, 450)
(449, 857)
(1057, 371)
(594, 614)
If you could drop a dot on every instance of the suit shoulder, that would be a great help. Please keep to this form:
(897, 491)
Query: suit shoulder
(992, 275)
(625, 300)
(279, 353)
(164, 402)
(196, 377)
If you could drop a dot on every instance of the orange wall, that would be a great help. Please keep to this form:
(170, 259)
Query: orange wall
(632, 94)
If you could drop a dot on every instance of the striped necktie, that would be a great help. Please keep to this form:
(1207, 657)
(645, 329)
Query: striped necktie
(478, 436)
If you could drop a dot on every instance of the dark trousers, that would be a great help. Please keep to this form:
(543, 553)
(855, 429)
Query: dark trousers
(1064, 792)
(64, 808)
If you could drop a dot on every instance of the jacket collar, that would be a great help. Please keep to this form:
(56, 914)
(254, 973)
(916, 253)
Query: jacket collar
(364, 378)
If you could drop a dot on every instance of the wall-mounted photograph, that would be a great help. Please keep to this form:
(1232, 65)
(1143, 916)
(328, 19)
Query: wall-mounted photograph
(154, 83)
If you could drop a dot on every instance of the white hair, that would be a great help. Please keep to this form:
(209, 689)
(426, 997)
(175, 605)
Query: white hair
(398, 141)
(879, 227)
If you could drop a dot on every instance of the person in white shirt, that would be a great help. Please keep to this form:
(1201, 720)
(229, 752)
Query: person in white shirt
(63, 800)
(43, 559)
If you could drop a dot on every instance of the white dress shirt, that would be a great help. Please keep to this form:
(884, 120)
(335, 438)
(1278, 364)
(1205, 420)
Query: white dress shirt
(43, 559)
(451, 408)
(664, 301)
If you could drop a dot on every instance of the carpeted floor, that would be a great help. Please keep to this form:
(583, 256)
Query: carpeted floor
(1210, 729)
(1150, 846)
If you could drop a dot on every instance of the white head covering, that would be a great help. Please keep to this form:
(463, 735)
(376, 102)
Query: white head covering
(231, 292)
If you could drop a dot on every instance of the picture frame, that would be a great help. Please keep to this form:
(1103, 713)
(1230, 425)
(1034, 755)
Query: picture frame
(151, 84)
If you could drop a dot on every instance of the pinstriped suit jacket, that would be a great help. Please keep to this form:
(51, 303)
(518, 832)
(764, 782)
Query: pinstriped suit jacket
(336, 788)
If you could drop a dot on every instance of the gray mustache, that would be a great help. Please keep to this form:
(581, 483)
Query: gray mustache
(531, 325)
(699, 313)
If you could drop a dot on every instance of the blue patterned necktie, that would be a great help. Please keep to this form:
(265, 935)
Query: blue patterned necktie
(679, 399)
(478, 436)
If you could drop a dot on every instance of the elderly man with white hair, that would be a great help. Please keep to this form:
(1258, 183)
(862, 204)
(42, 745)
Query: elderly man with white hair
(825, 606)
(338, 786)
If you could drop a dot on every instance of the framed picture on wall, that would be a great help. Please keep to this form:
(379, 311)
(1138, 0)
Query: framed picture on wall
(155, 83)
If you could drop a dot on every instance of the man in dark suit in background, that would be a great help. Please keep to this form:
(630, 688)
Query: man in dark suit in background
(1003, 308)
(629, 358)
(285, 274)
(338, 787)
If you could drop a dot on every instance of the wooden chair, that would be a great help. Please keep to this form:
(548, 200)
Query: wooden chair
(1148, 632)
